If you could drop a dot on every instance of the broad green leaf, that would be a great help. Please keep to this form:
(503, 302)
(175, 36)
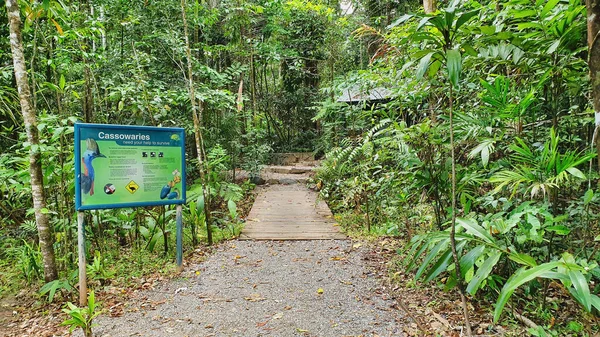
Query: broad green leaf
(154, 240)
(533, 221)
(576, 173)
(522, 258)
(469, 50)
(465, 17)
(553, 47)
(404, 18)
(548, 7)
(92, 302)
(554, 275)
(232, 207)
(440, 266)
(144, 232)
(559, 229)
(434, 67)
(472, 227)
(449, 14)
(595, 301)
(454, 64)
(524, 13)
(526, 25)
(200, 204)
(62, 82)
(468, 260)
(423, 65)
(429, 257)
(488, 30)
(519, 278)
(416, 256)
(423, 22)
(482, 273)
(485, 155)
(589, 195)
(582, 290)
(443, 262)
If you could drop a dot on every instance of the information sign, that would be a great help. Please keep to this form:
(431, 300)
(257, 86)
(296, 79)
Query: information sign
(128, 166)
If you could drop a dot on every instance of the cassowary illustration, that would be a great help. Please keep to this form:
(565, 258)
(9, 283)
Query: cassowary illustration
(88, 175)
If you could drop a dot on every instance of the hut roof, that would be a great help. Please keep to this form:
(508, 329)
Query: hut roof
(355, 95)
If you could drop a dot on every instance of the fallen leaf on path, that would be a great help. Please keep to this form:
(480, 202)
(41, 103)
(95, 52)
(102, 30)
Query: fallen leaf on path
(357, 245)
(278, 315)
(254, 298)
(320, 291)
(348, 283)
(337, 258)
(287, 307)
(301, 330)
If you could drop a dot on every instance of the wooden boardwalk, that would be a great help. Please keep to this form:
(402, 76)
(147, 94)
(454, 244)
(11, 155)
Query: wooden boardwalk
(290, 212)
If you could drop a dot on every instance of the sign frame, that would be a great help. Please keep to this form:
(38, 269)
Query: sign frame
(127, 128)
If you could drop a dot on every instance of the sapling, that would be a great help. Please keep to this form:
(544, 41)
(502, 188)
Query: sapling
(82, 317)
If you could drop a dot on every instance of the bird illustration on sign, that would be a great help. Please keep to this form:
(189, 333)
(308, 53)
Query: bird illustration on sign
(168, 191)
(87, 176)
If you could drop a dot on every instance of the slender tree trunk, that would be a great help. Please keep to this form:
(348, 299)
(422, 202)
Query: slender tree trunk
(593, 27)
(253, 86)
(459, 280)
(35, 169)
(197, 132)
(88, 98)
(429, 6)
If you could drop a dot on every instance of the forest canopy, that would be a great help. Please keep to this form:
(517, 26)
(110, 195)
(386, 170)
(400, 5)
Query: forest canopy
(480, 156)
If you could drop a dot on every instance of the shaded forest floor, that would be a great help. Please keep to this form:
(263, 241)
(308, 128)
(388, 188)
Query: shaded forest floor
(267, 288)
(304, 288)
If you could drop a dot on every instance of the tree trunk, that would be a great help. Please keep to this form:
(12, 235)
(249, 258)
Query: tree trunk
(459, 279)
(197, 131)
(429, 6)
(593, 27)
(29, 117)
(88, 98)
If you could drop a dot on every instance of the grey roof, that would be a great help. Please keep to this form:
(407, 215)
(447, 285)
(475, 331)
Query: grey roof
(356, 94)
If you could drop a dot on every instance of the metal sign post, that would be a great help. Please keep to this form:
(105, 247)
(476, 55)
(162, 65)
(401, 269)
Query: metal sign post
(81, 253)
(127, 166)
(179, 257)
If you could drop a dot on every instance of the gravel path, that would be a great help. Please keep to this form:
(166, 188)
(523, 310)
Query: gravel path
(246, 288)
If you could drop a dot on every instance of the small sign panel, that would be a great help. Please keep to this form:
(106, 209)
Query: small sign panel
(128, 166)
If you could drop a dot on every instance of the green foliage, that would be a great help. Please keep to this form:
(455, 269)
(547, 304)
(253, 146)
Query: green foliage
(97, 269)
(52, 287)
(541, 171)
(28, 259)
(522, 125)
(82, 317)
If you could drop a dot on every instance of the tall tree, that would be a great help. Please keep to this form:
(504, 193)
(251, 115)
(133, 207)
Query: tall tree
(30, 120)
(593, 27)
(429, 6)
(197, 128)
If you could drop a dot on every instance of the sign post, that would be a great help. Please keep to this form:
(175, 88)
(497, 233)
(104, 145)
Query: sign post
(127, 166)
(81, 254)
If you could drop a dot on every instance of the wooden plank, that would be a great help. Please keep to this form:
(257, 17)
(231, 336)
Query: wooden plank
(290, 212)
(293, 237)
